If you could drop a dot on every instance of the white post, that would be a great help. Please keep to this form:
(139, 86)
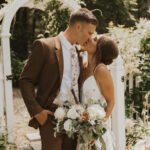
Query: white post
(1, 93)
(130, 82)
(125, 84)
(5, 35)
(8, 88)
(118, 116)
(137, 80)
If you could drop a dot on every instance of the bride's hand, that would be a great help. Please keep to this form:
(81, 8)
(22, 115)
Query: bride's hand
(105, 119)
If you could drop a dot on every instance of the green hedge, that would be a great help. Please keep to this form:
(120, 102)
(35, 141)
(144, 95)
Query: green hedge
(17, 66)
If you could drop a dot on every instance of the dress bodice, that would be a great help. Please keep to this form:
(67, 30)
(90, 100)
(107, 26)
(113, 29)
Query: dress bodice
(91, 90)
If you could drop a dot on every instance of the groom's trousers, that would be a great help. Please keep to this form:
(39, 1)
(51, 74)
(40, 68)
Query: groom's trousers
(49, 142)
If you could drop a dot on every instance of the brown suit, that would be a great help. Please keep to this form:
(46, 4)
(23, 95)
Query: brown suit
(44, 69)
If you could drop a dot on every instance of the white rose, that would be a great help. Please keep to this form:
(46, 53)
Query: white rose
(75, 112)
(68, 125)
(101, 113)
(79, 109)
(60, 113)
(96, 112)
(92, 113)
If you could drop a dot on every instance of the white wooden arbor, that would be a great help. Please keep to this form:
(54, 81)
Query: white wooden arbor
(6, 99)
(118, 116)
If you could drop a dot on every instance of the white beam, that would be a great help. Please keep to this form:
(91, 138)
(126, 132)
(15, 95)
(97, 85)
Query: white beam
(118, 116)
(130, 82)
(5, 41)
(1, 92)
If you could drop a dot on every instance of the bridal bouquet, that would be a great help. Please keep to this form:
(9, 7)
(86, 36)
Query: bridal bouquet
(81, 121)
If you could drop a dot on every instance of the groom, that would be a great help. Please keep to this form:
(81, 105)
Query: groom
(53, 68)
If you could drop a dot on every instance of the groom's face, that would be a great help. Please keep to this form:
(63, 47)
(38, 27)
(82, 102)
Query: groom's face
(84, 33)
(90, 47)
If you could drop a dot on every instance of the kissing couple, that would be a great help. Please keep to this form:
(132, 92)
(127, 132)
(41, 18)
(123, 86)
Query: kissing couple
(55, 67)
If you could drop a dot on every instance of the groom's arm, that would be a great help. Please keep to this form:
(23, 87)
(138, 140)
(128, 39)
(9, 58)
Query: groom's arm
(29, 77)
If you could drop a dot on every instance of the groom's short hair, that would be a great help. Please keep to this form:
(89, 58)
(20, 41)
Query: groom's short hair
(83, 15)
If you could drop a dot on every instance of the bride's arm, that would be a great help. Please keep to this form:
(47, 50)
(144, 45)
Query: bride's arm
(105, 82)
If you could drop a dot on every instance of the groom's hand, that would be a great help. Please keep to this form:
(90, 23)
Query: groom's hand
(42, 116)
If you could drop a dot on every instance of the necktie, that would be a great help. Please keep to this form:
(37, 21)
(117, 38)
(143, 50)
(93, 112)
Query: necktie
(75, 73)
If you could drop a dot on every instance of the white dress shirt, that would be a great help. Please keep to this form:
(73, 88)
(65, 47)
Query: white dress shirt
(66, 84)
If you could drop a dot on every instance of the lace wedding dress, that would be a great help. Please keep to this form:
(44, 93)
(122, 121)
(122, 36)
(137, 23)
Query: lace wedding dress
(91, 90)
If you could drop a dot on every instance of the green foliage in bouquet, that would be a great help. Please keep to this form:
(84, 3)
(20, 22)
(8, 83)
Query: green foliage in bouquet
(84, 122)
(59, 129)
(88, 132)
(84, 131)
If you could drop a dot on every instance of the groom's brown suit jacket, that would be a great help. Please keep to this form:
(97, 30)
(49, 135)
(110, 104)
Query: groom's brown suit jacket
(44, 69)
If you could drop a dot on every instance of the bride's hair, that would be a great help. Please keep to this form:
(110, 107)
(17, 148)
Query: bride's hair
(106, 50)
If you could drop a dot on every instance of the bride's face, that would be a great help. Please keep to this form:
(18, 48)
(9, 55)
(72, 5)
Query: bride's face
(90, 46)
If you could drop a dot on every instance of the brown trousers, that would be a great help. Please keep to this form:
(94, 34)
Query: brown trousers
(49, 142)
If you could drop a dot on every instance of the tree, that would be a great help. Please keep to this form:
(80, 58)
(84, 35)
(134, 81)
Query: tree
(28, 24)
(134, 46)
(132, 8)
(113, 10)
(145, 65)
(143, 9)
(56, 17)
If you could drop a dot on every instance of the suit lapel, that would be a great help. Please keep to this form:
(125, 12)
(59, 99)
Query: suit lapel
(59, 55)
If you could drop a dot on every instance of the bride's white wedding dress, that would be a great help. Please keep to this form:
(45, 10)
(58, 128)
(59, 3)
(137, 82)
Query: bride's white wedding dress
(91, 90)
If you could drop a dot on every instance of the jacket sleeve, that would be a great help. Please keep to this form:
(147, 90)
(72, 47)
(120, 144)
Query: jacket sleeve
(30, 75)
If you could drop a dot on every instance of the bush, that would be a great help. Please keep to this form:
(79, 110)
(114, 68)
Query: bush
(2, 142)
(113, 10)
(120, 12)
(56, 18)
(145, 65)
(134, 46)
(139, 128)
(17, 66)
(28, 24)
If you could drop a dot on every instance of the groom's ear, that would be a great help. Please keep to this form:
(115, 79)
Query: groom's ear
(78, 26)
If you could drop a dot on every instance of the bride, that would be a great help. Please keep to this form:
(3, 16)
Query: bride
(98, 82)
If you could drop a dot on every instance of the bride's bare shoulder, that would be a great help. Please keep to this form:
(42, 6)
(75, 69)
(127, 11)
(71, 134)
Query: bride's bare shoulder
(101, 72)
(100, 68)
